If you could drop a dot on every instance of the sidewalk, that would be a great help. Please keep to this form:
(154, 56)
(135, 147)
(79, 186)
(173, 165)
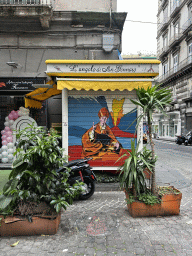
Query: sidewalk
(166, 138)
(102, 226)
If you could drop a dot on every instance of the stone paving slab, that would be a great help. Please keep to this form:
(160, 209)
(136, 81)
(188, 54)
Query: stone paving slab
(103, 226)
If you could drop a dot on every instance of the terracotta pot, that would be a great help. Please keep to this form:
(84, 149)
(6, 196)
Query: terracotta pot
(170, 205)
(16, 226)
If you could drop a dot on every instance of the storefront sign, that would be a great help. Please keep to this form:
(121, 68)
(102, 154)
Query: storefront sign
(102, 68)
(20, 83)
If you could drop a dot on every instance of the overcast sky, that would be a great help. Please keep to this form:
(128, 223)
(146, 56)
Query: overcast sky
(137, 36)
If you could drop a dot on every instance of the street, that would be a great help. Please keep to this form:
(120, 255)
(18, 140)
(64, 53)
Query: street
(176, 160)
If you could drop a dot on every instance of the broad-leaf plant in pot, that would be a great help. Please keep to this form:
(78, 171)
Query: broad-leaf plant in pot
(34, 187)
(148, 200)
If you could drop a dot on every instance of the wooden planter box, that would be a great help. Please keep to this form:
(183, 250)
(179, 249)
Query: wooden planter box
(15, 226)
(170, 205)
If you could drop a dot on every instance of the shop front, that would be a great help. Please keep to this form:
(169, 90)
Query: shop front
(12, 92)
(98, 118)
(167, 126)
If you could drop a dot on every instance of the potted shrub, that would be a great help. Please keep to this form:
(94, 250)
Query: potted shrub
(147, 155)
(35, 192)
(153, 201)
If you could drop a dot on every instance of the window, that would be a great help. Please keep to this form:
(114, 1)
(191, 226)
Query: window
(165, 68)
(190, 53)
(165, 15)
(190, 14)
(176, 29)
(165, 41)
(175, 63)
(175, 132)
(176, 3)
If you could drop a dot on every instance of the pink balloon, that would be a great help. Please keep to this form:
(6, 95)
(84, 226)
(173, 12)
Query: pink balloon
(4, 137)
(9, 139)
(4, 142)
(10, 116)
(7, 128)
(8, 133)
(2, 132)
(15, 115)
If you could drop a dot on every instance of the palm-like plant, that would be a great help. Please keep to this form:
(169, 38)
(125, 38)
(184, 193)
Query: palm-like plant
(131, 173)
(150, 100)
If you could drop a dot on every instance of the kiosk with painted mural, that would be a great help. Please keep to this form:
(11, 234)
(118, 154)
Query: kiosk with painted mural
(103, 130)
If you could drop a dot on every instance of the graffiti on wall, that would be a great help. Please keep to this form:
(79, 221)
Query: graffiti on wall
(100, 127)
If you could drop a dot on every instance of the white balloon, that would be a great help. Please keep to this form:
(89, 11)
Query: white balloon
(4, 154)
(19, 112)
(0, 156)
(10, 156)
(11, 122)
(10, 145)
(4, 159)
(11, 127)
(7, 118)
(6, 123)
(4, 148)
(10, 150)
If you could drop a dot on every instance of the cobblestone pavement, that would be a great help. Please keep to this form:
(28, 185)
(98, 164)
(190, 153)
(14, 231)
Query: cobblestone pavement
(103, 226)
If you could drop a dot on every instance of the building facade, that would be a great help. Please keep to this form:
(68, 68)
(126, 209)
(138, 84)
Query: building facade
(174, 50)
(36, 30)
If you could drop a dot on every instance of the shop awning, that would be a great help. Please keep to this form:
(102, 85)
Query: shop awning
(100, 84)
(34, 99)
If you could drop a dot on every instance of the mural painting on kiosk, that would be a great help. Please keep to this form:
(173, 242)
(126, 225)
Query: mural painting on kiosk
(100, 127)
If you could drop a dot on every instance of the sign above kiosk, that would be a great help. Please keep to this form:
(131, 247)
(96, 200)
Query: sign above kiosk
(103, 68)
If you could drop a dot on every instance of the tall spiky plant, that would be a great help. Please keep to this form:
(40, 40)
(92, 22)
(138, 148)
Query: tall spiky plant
(154, 98)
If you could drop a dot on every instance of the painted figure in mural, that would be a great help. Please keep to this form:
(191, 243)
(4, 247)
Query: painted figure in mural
(99, 140)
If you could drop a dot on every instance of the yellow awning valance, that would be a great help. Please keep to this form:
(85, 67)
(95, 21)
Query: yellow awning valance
(34, 99)
(102, 85)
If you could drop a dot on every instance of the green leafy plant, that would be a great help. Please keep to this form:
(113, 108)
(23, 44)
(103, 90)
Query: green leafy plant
(151, 99)
(33, 180)
(131, 199)
(149, 199)
(147, 155)
(131, 173)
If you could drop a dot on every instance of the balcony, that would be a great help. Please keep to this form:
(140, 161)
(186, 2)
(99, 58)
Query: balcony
(187, 26)
(163, 52)
(164, 24)
(26, 2)
(17, 9)
(175, 40)
(164, 2)
(184, 66)
(175, 8)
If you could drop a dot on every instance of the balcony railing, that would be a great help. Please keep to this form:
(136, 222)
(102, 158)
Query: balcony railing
(187, 24)
(163, 51)
(175, 38)
(164, 23)
(175, 5)
(175, 69)
(26, 2)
